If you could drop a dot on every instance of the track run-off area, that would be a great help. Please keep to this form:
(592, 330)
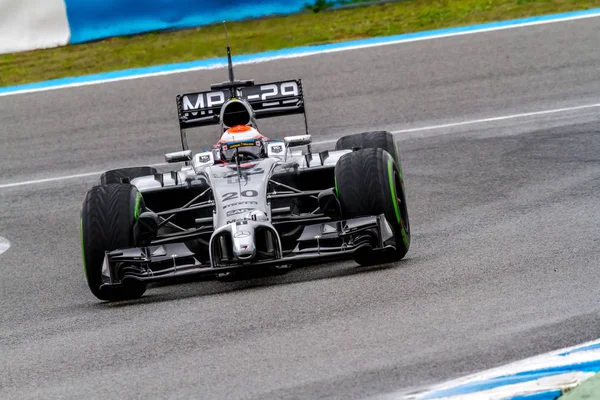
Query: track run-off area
(498, 133)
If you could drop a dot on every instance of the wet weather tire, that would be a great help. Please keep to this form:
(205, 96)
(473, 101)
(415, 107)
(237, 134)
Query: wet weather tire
(125, 175)
(369, 182)
(108, 215)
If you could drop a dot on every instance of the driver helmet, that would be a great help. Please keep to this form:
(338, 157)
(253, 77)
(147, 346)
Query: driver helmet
(243, 139)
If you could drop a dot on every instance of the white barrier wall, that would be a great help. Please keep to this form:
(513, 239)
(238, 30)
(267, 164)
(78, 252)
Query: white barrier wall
(32, 24)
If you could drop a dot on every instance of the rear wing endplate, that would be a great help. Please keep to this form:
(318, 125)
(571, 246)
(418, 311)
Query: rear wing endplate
(267, 100)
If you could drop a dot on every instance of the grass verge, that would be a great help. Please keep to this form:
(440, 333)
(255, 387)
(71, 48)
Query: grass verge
(587, 390)
(268, 34)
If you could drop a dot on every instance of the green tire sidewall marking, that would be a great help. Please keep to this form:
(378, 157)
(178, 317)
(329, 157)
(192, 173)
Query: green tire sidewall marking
(404, 238)
(393, 187)
(136, 211)
(82, 249)
(395, 201)
(399, 161)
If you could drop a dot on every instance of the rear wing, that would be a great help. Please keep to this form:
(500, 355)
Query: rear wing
(273, 99)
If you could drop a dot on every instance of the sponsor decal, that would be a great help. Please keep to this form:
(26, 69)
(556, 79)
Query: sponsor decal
(245, 143)
(239, 211)
(263, 96)
(204, 159)
(240, 203)
(241, 234)
(276, 149)
(202, 101)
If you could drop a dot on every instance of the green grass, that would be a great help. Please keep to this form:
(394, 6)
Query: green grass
(268, 34)
(587, 390)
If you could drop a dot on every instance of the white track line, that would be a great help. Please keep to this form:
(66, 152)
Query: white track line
(398, 132)
(481, 121)
(494, 119)
(60, 178)
(4, 244)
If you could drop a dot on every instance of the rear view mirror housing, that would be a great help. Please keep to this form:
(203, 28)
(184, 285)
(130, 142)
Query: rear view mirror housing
(178, 156)
(299, 140)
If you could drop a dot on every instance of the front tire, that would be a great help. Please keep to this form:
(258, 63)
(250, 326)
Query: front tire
(108, 215)
(125, 175)
(369, 182)
(371, 140)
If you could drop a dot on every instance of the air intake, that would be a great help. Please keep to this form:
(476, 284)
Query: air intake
(236, 112)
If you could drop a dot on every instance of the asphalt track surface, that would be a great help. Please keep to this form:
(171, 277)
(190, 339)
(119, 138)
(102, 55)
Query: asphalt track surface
(505, 216)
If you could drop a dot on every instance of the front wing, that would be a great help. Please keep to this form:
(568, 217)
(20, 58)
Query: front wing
(317, 243)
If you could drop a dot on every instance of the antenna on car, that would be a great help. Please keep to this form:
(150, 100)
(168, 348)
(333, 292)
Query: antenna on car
(229, 62)
(231, 83)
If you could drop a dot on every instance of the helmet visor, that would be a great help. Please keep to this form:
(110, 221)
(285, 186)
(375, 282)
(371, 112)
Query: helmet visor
(248, 148)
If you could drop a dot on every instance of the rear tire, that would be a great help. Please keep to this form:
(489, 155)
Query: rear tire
(368, 182)
(125, 175)
(108, 215)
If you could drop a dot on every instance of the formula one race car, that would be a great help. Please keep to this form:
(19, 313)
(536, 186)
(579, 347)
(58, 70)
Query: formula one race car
(247, 204)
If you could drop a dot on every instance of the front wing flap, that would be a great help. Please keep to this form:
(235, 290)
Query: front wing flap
(317, 243)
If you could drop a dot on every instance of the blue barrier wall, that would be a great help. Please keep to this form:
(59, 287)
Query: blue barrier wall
(97, 19)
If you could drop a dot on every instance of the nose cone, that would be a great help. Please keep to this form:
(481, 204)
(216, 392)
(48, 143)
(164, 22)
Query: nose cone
(243, 243)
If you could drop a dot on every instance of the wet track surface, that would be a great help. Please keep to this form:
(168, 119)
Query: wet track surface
(505, 216)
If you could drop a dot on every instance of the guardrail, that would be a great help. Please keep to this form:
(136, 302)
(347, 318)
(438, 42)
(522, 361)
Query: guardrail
(35, 24)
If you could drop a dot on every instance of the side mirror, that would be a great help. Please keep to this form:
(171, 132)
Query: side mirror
(299, 140)
(178, 156)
